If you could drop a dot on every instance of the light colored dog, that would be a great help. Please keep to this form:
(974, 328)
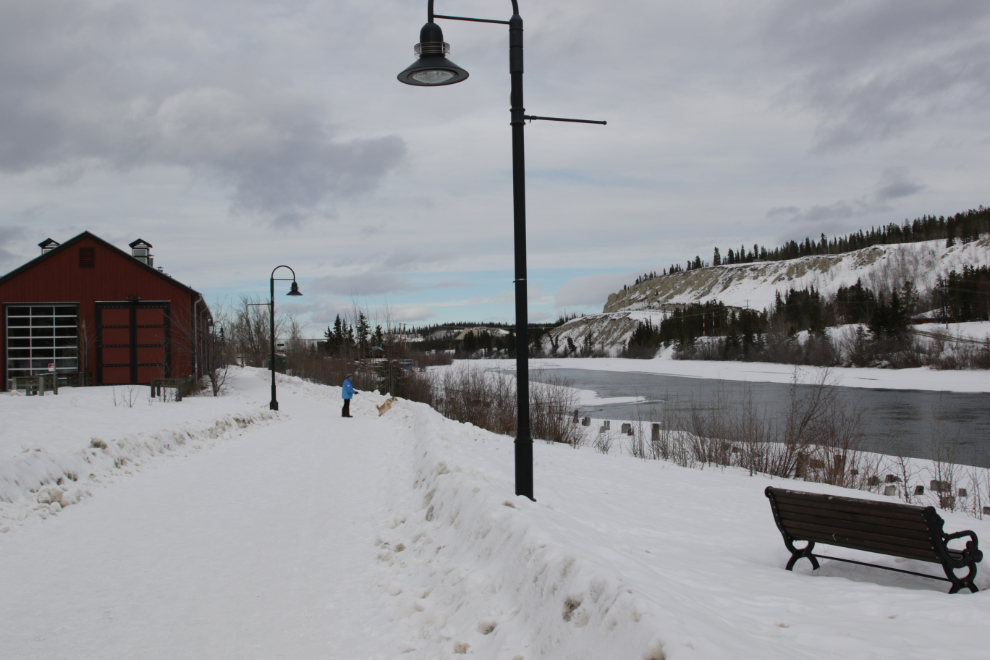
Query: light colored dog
(382, 409)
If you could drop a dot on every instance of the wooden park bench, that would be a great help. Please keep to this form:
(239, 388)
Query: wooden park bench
(178, 384)
(887, 528)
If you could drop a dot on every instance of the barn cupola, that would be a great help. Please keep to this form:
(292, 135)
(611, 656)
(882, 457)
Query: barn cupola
(141, 250)
(48, 245)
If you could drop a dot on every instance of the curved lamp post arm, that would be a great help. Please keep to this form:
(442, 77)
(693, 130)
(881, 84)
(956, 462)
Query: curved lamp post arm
(290, 270)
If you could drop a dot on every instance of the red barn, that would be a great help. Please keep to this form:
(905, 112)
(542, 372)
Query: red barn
(88, 307)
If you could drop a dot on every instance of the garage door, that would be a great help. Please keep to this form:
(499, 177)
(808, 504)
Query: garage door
(40, 335)
(132, 342)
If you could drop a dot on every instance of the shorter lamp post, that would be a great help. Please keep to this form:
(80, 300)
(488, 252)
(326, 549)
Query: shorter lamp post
(293, 291)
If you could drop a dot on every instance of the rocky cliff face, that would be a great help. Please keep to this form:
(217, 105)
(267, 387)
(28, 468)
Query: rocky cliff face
(756, 285)
(746, 285)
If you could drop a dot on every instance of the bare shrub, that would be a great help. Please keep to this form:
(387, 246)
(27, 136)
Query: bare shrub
(819, 437)
(944, 469)
(904, 469)
(603, 441)
(960, 353)
(127, 397)
(488, 399)
(664, 439)
(638, 446)
(550, 402)
(708, 425)
(977, 478)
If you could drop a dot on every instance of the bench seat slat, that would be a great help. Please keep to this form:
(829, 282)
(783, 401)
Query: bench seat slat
(869, 517)
(797, 527)
(824, 534)
(838, 500)
(842, 518)
(879, 548)
(886, 510)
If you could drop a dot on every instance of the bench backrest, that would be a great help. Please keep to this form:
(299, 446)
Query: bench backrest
(900, 530)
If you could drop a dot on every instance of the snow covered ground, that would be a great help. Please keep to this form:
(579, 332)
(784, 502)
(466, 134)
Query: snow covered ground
(304, 535)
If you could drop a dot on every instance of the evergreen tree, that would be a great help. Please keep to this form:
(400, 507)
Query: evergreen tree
(335, 336)
(348, 343)
(362, 330)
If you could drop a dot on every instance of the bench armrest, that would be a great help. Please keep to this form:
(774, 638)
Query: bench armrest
(972, 546)
(959, 535)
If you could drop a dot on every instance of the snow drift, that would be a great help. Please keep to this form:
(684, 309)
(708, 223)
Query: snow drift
(42, 482)
(472, 572)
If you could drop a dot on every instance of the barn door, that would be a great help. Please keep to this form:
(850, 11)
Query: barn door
(132, 342)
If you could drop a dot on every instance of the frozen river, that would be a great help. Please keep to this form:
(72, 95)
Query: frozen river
(905, 415)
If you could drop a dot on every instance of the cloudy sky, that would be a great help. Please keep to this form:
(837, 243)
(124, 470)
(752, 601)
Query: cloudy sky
(239, 135)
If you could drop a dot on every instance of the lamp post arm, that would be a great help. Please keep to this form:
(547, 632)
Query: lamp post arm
(273, 277)
(431, 15)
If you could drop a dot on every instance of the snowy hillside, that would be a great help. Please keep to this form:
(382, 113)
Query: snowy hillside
(756, 285)
(311, 536)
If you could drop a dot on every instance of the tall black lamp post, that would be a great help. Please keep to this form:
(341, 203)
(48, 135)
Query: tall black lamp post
(293, 291)
(434, 69)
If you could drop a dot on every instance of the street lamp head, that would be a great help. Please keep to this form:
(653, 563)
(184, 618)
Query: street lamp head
(432, 69)
(294, 291)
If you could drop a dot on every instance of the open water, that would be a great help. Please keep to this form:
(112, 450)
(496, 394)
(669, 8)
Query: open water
(905, 416)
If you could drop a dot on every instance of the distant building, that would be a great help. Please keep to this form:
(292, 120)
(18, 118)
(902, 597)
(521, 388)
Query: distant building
(87, 306)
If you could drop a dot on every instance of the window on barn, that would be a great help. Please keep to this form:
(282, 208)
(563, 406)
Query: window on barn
(87, 257)
(39, 335)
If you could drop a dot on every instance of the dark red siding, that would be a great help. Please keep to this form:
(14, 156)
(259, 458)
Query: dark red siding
(87, 271)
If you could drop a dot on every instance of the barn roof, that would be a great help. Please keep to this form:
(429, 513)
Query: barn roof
(113, 248)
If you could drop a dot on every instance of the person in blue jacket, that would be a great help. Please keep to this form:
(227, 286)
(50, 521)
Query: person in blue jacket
(347, 391)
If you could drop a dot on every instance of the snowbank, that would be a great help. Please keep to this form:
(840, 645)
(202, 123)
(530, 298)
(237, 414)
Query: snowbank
(55, 449)
(473, 572)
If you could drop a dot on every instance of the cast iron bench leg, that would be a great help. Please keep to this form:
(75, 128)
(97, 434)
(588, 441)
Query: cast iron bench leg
(798, 553)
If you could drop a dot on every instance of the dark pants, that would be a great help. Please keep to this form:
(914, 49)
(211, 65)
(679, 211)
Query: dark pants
(346, 411)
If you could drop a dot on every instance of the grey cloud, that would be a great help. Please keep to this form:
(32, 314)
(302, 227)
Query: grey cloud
(377, 283)
(367, 284)
(72, 97)
(411, 314)
(873, 70)
(407, 259)
(782, 212)
(815, 214)
(9, 235)
(895, 183)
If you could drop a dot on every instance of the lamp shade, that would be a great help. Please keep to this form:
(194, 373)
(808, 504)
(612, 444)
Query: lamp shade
(294, 291)
(433, 68)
